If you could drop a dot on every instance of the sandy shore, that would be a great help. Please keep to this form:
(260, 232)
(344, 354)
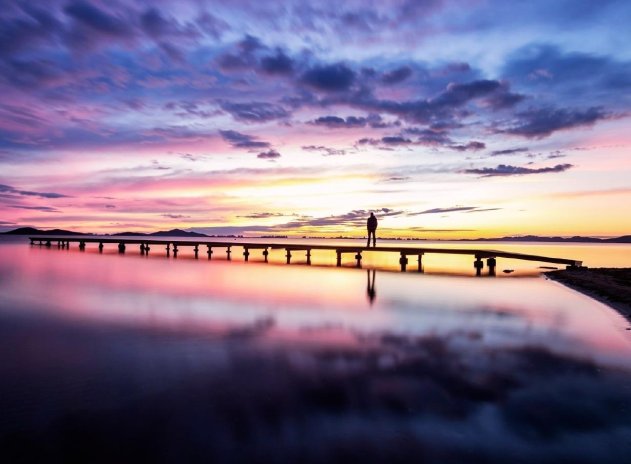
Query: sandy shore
(611, 286)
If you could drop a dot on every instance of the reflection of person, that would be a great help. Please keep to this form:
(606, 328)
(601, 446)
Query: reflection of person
(370, 286)
(371, 224)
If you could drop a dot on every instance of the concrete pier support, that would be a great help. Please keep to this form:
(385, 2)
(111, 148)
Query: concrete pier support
(142, 248)
(246, 253)
(121, 247)
(358, 258)
(491, 262)
(288, 255)
(309, 256)
(196, 250)
(228, 253)
(101, 247)
(339, 258)
(174, 250)
(478, 265)
(265, 254)
(403, 261)
(48, 244)
(420, 262)
(209, 252)
(82, 246)
(58, 243)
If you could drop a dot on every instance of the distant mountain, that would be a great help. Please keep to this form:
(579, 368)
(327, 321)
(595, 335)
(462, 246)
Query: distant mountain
(134, 234)
(34, 231)
(176, 233)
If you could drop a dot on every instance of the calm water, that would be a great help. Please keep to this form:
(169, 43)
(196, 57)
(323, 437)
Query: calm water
(115, 358)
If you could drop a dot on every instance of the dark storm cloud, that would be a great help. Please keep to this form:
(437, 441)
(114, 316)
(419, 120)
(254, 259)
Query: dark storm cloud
(6, 189)
(270, 154)
(254, 112)
(239, 140)
(329, 78)
(507, 170)
(539, 123)
(396, 75)
(335, 122)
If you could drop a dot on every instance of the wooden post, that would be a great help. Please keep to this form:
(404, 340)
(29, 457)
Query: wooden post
(210, 251)
(491, 262)
(288, 255)
(420, 262)
(403, 261)
(175, 250)
(228, 252)
(358, 257)
(339, 258)
(196, 250)
(246, 253)
(265, 254)
(100, 247)
(309, 256)
(121, 247)
(478, 265)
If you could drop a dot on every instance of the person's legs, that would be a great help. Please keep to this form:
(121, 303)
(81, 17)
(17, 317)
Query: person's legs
(368, 244)
(374, 238)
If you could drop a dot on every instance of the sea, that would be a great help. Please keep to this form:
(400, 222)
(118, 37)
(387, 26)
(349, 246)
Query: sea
(149, 357)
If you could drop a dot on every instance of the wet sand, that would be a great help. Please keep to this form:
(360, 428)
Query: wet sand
(611, 286)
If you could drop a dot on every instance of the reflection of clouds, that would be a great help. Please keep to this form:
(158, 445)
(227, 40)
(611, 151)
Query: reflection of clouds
(390, 397)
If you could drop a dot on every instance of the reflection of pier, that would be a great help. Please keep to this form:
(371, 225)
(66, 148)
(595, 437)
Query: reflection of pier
(404, 252)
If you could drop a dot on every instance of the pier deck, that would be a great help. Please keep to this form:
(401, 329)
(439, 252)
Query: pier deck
(172, 244)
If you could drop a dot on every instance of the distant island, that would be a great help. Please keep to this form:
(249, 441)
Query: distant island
(184, 233)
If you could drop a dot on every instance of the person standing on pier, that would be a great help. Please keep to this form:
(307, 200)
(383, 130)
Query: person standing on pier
(372, 229)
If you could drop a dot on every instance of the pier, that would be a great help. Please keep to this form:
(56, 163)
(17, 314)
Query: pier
(404, 252)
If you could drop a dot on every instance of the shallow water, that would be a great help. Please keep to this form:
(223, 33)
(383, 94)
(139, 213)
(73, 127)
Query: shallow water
(112, 357)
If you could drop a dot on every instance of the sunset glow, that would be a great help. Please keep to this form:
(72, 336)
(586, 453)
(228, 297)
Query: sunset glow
(449, 119)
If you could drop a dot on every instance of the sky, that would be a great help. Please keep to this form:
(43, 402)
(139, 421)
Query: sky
(448, 119)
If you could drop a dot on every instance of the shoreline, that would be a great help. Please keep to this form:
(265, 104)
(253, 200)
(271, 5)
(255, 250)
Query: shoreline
(610, 286)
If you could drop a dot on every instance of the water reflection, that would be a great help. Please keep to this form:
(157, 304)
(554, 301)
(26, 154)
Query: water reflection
(114, 358)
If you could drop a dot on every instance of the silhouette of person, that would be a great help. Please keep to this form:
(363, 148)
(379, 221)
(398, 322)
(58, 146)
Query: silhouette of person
(371, 224)
(370, 286)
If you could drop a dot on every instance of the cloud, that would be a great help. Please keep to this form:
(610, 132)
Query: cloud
(396, 75)
(277, 64)
(540, 123)
(239, 140)
(507, 170)
(509, 151)
(323, 150)
(329, 78)
(47, 209)
(335, 122)
(470, 146)
(262, 215)
(175, 216)
(270, 154)
(98, 20)
(7, 189)
(454, 209)
(255, 112)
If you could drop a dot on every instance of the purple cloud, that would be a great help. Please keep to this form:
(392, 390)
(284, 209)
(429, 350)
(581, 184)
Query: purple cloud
(507, 170)
(239, 140)
(329, 78)
(270, 154)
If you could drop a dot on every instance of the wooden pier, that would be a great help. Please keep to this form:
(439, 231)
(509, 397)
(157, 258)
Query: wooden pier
(174, 245)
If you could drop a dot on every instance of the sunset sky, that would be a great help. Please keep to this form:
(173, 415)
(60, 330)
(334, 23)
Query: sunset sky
(449, 119)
